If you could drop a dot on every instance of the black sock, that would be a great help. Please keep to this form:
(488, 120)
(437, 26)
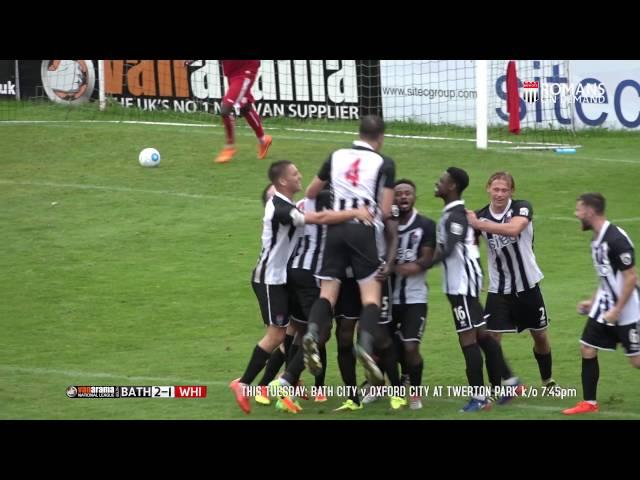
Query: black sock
(258, 359)
(473, 360)
(368, 324)
(293, 349)
(320, 316)
(288, 341)
(295, 368)
(273, 366)
(347, 366)
(389, 363)
(497, 368)
(544, 364)
(323, 358)
(590, 376)
(507, 373)
(398, 344)
(415, 374)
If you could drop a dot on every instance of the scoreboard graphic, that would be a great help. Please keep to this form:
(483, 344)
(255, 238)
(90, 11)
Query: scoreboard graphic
(129, 391)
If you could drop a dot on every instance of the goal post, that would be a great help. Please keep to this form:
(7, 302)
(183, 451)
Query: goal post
(482, 79)
(102, 96)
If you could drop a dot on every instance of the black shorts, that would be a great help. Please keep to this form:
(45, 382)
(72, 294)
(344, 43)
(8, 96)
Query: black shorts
(607, 337)
(410, 320)
(516, 312)
(274, 303)
(350, 244)
(303, 291)
(349, 304)
(467, 312)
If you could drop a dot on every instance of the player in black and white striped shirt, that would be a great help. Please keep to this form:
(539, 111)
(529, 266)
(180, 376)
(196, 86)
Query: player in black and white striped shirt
(462, 281)
(614, 309)
(269, 278)
(303, 289)
(358, 176)
(416, 244)
(514, 302)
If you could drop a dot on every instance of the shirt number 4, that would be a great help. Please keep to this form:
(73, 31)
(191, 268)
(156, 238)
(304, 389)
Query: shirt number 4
(353, 174)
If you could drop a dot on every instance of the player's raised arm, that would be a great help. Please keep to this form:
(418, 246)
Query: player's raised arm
(388, 172)
(330, 217)
(319, 182)
(391, 236)
(391, 240)
(315, 187)
(387, 202)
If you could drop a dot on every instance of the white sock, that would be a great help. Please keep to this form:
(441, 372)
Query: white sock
(511, 381)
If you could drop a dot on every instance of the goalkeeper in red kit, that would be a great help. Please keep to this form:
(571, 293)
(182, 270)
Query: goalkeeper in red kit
(241, 74)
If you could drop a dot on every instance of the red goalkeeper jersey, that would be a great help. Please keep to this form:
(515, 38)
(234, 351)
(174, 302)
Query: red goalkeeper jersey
(238, 67)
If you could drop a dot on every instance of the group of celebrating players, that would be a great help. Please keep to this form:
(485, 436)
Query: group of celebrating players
(356, 250)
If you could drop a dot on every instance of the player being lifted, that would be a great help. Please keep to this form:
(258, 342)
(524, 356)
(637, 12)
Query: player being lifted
(358, 176)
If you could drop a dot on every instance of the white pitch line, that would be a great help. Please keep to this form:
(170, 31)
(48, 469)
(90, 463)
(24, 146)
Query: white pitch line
(573, 219)
(196, 125)
(77, 374)
(571, 157)
(612, 160)
(183, 381)
(112, 189)
(129, 122)
(292, 129)
(213, 197)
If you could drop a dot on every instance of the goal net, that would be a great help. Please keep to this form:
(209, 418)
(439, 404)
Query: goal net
(467, 99)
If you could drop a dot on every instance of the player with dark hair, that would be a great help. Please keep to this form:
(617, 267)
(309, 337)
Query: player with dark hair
(281, 354)
(462, 281)
(614, 310)
(358, 176)
(268, 193)
(416, 245)
(303, 290)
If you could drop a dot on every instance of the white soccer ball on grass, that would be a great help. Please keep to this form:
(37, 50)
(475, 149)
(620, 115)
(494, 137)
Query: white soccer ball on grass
(149, 157)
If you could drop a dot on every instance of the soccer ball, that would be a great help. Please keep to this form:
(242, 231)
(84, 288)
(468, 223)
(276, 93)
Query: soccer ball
(149, 157)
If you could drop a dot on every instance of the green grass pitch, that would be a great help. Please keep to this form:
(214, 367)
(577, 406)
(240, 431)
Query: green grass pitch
(113, 274)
